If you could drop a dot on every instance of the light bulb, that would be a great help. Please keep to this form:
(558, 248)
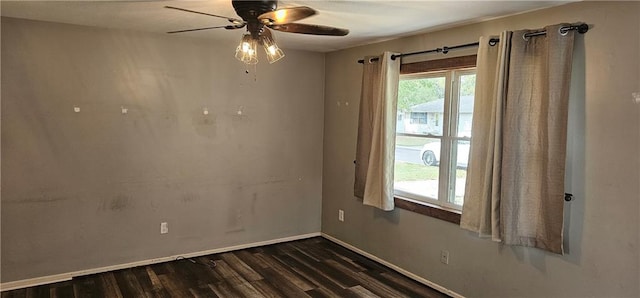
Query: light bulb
(271, 50)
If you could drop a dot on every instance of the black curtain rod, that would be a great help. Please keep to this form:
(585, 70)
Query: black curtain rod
(581, 28)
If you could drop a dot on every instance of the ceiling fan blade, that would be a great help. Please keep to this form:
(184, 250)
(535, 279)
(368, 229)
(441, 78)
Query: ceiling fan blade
(286, 15)
(310, 29)
(232, 20)
(228, 27)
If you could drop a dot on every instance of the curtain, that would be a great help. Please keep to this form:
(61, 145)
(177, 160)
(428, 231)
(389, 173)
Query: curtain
(521, 203)
(481, 208)
(375, 150)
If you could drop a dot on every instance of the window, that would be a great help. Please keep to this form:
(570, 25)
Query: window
(418, 118)
(432, 145)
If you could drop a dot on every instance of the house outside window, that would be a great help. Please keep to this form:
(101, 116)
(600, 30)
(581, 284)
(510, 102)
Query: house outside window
(433, 134)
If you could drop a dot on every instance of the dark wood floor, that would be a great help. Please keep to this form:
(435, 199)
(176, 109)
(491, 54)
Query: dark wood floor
(312, 267)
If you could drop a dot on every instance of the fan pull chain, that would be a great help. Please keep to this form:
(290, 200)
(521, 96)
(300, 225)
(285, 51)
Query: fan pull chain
(255, 73)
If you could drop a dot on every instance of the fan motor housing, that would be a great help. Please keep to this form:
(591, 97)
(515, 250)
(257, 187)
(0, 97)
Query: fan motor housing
(250, 10)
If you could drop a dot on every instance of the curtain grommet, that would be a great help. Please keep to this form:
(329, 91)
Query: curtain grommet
(525, 37)
(563, 30)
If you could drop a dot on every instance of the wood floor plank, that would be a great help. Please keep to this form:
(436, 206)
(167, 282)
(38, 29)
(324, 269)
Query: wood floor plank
(411, 287)
(142, 275)
(173, 289)
(61, 290)
(18, 293)
(241, 267)
(377, 287)
(286, 272)
(158, 288)
(203, 291)
(369, 283)
(159, 268)
(283, 285)
(110, 285)
(341, 255)
(128, 284)
(87, 286)
(363, 292)
(211, 274)
(312, 267)
(311, 273)
(267, 289)
(319, 293)
(250, 258)
(312, 248)
(38, 292)
(309, 253)
(236, 280)
(192, 273)
(344, 280)
(223, 289)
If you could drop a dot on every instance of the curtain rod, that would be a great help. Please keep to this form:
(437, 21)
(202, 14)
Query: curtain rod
(580, 27)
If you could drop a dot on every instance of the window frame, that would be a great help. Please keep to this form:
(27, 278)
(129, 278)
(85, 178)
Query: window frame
(442, 212)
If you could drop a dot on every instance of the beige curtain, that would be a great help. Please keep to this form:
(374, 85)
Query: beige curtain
(481, 209)
(376, 131)
(527, 175)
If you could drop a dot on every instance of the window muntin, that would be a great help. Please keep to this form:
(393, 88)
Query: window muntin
(431, 157)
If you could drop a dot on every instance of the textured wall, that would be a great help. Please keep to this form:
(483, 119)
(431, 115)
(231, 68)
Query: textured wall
(603, 166)
(89, 189)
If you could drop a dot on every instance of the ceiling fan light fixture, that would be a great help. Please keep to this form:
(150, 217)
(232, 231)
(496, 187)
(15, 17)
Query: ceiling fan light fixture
(274, 53)
(247, 50)
(261, 16)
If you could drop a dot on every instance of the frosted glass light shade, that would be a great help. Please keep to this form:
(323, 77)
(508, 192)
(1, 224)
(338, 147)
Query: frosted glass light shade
(247, 50)
(274, 53)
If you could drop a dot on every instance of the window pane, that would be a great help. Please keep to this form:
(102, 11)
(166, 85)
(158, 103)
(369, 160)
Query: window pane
(421, 104)
(465, 105)
(422, 134)
(417, 165)
(462, 158)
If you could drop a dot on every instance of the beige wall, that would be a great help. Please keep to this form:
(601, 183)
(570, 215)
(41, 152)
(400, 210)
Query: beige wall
(89, 189)
(602, 225)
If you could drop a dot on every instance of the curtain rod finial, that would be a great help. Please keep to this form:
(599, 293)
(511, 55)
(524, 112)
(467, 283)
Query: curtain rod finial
(568, 197)
(583, 28)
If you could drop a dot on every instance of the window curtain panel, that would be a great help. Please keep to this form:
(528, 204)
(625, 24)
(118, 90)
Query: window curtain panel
(528, 158)
(481, 207)
(375, 152)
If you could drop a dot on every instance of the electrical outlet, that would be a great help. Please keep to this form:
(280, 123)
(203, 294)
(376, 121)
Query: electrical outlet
(164, 228)
(341, 215)
(444, 257)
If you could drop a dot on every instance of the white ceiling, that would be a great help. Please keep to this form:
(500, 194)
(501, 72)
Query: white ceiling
(368, 21)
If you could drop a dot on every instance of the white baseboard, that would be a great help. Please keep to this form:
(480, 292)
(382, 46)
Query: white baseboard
(394, 267)
(69, 275)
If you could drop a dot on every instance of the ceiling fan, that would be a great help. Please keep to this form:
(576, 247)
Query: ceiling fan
(259, 17)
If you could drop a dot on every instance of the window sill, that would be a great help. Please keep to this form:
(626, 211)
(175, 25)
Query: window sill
(450, 215)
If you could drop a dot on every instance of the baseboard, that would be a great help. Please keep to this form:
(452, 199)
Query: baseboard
(394, 267)
(69, 275)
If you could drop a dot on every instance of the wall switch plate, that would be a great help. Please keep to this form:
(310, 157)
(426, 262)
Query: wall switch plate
(164, 228)
(444, 257)
(341, 215)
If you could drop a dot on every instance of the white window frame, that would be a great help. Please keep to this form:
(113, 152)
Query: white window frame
(448, 152)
